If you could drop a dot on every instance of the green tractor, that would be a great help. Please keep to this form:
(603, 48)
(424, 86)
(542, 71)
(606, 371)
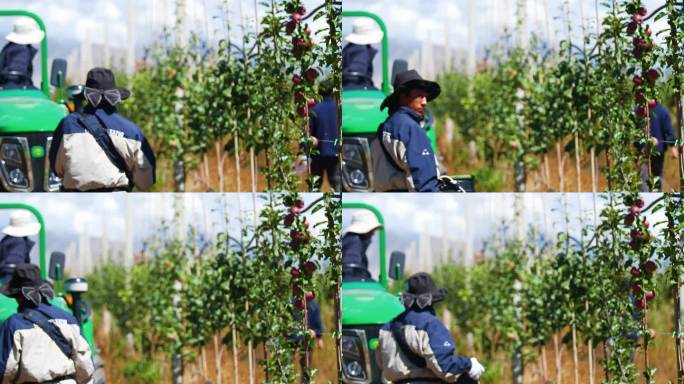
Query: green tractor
(361, 116)
(366, 307)
(28, 117)
(68, 293)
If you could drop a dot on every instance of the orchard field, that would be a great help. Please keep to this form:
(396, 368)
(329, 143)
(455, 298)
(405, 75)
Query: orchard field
(229, 309)
(597, 305)
(572, 116)
(234, 117)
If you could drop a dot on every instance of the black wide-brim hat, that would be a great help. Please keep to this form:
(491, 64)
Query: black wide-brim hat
(422, 291)
(411, 80)
(24, 276)
(102, 79)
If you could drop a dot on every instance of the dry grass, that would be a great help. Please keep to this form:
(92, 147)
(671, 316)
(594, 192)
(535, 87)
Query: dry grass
(116, 357)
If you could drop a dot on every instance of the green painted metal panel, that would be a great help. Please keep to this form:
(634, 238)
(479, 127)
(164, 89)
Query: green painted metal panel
(28, 111)
(368, 303)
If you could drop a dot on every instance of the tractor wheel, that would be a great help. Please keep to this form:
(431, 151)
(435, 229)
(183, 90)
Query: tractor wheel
(99, 374)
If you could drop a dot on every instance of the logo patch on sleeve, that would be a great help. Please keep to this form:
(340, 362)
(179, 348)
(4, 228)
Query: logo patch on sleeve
(425, 152)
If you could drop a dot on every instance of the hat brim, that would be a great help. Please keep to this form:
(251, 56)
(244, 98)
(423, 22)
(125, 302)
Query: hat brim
(371, 37)
(33, 37)
(433, 89)
(29, 229)
(123, 92)
(363, 228)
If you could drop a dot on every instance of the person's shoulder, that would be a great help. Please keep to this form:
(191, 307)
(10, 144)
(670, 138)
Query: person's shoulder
(421, 319)
(16, 322)
(57, 313)
(130, 129)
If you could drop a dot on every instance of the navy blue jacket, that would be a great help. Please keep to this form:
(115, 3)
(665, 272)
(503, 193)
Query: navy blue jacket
(358, 58)
(323, 126)
(441, 342)
(313, 318)
(15, 250)
(661, 127)
(404, 126)
(17, 57)
(18, 322)
(354, 250)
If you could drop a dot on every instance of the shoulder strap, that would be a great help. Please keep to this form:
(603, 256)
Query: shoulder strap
(93, 125)
(51, 329)
(384, 149)
(403, 345)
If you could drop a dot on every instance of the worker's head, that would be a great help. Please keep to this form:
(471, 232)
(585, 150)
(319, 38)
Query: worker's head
(422, 292)
(416, 99)
(26, 286)
(100, 89)
(411, 91)
(364, 223)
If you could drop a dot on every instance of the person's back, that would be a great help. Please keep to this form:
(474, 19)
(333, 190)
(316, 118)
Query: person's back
(29, 355)
(426, 350)
(324, 126)
(83, 165)
(357, 66)
(15, 250)
(354, 259)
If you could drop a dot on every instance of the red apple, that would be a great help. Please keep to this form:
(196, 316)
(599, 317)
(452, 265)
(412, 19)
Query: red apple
(639, 97)
(634, 209)
(637, 80)
(309, 296)
(641, 304)
(636, 290)
(295, 272)
(641, 112)
(296, 79)
(639, 203)
(290, 27)
(296, 17)
(650, 295)
(311, 74)
(297, 290)
(309, 267)
(635, 234)
(302, 111)
(301, 10)
(635, 272)
(652, 104)
(646, 223)
(295, 210)
(637, 18)
(299, 203)
(652, 75)
(299, 96)
(311, 103)
(642, 11)
(649, 31)
(650, 266)
(632, 27)
(629, 219)
(289, 219)
(634, 244)
(299, 304)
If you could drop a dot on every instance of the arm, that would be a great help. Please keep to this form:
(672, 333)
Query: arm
(444, 361)
(10, 355)
(144, 166)
(56, 154)
(82, 357)
(420, 160)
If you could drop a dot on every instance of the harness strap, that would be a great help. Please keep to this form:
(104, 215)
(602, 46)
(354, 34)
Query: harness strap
(39, 319)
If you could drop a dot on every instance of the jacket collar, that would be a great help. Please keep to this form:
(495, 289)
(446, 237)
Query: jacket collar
(413, 114)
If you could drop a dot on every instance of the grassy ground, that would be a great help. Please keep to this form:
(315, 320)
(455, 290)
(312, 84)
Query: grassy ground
(125, 366)
(661, 356)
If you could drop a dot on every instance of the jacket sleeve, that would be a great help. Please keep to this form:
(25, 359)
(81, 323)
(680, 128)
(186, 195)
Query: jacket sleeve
(414, 153)
(82, 357)
(56, 154)
(9, 355)
(668, 132)
(144, 166)
(443, 346)
(314, 319)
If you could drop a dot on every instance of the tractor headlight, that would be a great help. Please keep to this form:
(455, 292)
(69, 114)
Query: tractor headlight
(356, 164)
(354, 356)
(15, 164)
